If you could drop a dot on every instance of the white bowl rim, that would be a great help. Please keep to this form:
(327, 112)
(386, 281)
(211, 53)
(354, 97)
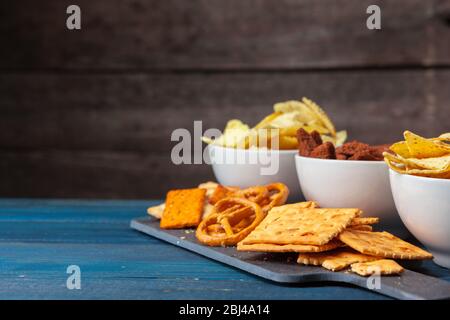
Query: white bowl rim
(410, 176)
(291, 151)
(370, 162)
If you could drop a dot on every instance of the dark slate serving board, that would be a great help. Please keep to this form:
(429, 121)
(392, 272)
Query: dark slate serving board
(281, 267)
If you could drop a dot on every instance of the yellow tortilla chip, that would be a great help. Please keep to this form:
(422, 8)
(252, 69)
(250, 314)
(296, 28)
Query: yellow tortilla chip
(420, 147)
(438, 163)
(401, 148)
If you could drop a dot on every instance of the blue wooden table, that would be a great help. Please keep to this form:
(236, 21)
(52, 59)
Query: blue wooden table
(41, 238)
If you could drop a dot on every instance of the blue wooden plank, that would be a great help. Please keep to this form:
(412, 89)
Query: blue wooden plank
(140, 271)
(40, 238)
(72, 210)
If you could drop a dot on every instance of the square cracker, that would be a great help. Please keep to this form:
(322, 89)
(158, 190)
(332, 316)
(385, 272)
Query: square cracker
(361, 227)
(334, 260)
(267, 247)
(382, 244)
(382, 267)
(364, 221)
(293, 225)
(184, 208)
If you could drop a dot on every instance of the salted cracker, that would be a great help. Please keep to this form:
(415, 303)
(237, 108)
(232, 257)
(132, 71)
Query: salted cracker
(293, 225)
(381, 267)
(382, 244)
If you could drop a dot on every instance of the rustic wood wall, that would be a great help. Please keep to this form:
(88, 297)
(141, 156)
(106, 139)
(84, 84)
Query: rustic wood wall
(89, 113)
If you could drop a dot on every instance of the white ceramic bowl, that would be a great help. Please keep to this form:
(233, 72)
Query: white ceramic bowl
(255, 167)
(424, 207)
(351, 184)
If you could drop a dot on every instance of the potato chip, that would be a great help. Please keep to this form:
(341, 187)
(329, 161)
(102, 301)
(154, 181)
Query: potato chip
(267, 120)
(321, 115)
(289, 131)
(315, 126)
(287, 118)
(296, 108)
(287, 142)
(341, 136)
(420, 147)
(233, 136)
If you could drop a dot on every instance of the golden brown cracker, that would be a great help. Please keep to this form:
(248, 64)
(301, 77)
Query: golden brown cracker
(267, 247)
(364, 220)
(382, 244)
(334, 260)
(221, 192)
(381, 267)
(361, 227)
(184, 208)
(156, 211)
(297, 205)
(294, 225)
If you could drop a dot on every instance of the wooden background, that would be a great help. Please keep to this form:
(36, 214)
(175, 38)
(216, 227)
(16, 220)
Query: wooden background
(89, 113)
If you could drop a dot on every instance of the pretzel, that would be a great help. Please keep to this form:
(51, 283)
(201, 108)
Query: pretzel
(278, 193)
(255, 194)
(232, 221)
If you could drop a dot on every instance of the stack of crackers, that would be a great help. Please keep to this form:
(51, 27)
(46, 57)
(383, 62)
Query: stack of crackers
(334, 238)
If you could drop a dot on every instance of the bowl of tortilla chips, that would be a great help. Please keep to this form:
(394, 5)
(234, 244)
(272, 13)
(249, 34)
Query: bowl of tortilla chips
(420, 183)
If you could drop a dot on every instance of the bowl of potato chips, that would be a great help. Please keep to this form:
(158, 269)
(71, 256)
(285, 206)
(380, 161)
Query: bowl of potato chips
(420, 183)
(245, 156)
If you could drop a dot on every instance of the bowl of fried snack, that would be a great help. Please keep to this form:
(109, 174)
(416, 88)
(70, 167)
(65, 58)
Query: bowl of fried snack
(245, 156)
(351, 175)
(420, 183)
